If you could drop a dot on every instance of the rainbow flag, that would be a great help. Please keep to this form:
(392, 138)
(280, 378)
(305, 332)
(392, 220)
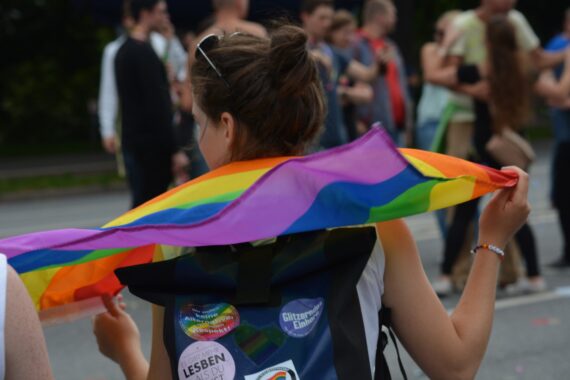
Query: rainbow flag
(364, 182)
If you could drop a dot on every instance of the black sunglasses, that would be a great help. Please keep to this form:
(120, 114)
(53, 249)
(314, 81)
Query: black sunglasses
(205, 45)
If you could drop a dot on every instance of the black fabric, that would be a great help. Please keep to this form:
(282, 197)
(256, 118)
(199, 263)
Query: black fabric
(347, 330)
(254, 277)
(382, 369)
(561, 190)
(149, 174)
(144, 94)
(483, 132)
(216, 273)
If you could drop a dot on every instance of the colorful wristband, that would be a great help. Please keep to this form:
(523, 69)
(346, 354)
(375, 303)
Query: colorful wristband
(490, 247)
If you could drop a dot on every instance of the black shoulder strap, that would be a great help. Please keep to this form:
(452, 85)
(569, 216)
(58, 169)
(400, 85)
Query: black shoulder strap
(382, 370)
(253, 286)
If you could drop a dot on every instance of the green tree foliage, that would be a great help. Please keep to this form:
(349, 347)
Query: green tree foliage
(49, 71)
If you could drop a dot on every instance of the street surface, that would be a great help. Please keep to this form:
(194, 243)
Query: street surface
(531, 334)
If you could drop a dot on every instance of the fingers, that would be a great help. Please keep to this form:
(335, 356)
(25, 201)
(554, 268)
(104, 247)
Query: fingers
(110, 305)
(501, 199)
(121, 302)
(521, 190)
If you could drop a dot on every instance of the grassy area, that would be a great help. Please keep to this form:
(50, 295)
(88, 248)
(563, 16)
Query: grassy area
(64, 181)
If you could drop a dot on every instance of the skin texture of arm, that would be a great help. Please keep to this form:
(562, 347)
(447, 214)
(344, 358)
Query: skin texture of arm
(549, 87)
(26, 351)
(442, 71)
(358, 71)
(434, 68)
(546, 60)
(159, 362)
(360, 93)
(449, 346)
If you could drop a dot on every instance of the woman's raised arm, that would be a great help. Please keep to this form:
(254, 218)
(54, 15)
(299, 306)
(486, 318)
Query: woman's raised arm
(449, 346)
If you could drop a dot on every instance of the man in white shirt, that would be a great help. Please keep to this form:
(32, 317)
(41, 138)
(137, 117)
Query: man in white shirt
(108, 106)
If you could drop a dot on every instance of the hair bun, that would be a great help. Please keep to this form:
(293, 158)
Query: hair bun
(289, 60)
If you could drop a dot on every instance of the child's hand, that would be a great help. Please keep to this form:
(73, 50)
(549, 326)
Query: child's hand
(117, 334)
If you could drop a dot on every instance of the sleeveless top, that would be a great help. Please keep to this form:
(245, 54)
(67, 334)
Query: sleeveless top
(3, 287)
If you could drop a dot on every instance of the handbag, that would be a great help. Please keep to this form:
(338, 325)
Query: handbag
(509, 148)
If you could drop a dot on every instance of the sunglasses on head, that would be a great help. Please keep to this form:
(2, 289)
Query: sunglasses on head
(205, 45)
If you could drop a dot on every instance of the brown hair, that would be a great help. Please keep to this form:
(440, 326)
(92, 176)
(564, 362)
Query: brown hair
(274, 92)
(341, 19)
(375, 7)
(309, 6)
(509, 81)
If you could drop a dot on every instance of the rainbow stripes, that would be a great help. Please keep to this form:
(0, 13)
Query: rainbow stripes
(364, 182)
(281, 375)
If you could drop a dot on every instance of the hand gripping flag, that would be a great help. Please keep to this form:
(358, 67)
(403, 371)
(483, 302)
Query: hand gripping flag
(364, 182)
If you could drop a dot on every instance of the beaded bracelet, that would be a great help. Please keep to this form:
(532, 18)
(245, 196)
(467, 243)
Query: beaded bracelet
(490, 247)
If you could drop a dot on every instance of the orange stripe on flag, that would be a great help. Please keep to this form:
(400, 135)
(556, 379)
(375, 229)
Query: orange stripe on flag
(60, 292)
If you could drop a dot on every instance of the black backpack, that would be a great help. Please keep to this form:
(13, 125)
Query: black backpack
(284, 310)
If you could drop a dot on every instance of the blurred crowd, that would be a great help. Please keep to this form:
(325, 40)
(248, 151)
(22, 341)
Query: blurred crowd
(480, 72)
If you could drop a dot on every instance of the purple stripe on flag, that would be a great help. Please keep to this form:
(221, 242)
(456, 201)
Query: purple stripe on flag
(266, 209)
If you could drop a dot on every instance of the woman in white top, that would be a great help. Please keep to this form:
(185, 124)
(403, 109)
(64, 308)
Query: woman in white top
(257, 97)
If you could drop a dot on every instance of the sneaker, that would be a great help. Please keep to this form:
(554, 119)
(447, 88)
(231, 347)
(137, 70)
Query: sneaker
(518, 288)
(524, 286)
(561, 263)
(442, 287)
(537, 286)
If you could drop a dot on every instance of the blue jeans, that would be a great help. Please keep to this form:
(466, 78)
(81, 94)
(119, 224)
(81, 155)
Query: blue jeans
(561, 123)
(425, 133)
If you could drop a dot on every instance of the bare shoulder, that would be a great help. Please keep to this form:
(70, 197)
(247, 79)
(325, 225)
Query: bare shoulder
(429, 49)
(252, 28)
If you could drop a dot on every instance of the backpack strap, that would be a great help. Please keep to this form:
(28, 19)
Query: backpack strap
(253, 285)
(382, 370)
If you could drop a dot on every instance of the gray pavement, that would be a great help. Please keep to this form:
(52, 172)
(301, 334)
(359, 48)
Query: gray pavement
(531, 334)
(56, 165)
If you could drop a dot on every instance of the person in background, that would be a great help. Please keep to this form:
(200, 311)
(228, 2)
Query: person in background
(434, 98)
(341, 36)
(263, 71)
(151, 156)
(466, 43)
(468, 31)
(554, 85)
(317, 17)
(230, 17)
(108, 104)
(392, 105)
(506, 74)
